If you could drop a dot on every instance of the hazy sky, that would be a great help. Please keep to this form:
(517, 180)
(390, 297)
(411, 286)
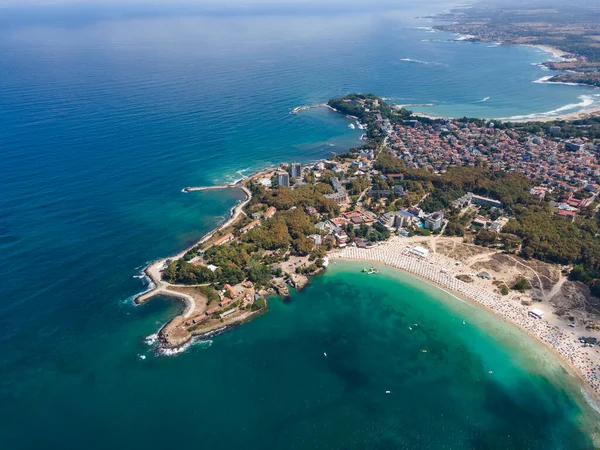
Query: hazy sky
(220, 3)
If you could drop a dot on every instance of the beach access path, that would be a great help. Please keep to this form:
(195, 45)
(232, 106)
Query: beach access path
(442, 270)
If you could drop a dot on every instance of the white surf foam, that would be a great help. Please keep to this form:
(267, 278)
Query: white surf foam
(151, 339)
(428, 29)
(541, 66)
(203, 341)
(590, 401)
(586, 101)
(543, 79)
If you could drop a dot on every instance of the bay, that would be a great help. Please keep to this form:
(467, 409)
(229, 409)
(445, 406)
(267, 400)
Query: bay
(104, 121)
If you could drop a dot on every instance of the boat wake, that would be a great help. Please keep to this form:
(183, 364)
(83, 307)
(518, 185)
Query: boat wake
(426, 63)
(483, 100)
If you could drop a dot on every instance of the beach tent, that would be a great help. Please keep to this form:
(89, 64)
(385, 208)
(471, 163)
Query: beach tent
(538, 313)
(420, 251)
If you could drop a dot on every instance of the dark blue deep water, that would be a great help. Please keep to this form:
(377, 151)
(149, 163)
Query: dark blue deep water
(105, 117)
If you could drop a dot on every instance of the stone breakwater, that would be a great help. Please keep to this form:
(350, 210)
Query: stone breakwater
(585, 360)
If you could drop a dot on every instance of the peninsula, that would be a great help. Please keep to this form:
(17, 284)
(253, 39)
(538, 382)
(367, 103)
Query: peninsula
(504, 214)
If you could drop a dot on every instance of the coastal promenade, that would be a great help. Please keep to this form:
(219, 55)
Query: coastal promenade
(437, 268)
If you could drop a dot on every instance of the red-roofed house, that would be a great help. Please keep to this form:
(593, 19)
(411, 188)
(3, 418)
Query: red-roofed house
(270, 212)
(224, 239)
(566, 214)
(231, 290)
(250, 226)
(212, 310)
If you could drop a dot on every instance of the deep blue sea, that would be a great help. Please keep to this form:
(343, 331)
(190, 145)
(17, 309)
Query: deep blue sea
(105, 115)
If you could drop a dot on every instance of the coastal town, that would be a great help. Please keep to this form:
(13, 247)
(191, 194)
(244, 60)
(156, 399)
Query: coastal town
(569, 31)
(456, 202)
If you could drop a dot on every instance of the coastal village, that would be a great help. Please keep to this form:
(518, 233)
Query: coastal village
(451, 201)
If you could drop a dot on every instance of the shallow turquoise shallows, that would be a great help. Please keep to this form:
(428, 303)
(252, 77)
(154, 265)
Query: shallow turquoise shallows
(105, 117)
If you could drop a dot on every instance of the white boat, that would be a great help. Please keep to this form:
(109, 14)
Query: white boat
(325, 354)
(351, 126)
(360, 127)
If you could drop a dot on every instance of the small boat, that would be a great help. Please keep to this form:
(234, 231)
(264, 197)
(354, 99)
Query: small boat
(410, 328)
(372, 271)
(424, 351)
(351, 126)
(325, 354)
(142, 356)
(464, 322)
(388, 392)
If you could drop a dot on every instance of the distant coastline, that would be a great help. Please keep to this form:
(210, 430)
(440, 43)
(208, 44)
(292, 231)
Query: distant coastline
(581, 114)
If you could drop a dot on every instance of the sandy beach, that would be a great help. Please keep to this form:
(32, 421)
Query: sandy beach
(556, 52)
(442, 270)
(577, 115)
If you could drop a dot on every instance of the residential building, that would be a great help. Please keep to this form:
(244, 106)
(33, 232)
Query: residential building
(211, 311)
(484, 201)
(224, 239)
(566, 214)
(283, 179)
(434, 221)
(341, 238)
(316, 238)
(574, 146)
(296, 170)
(338, 197)
(232, 292)
(228, 313)
(250, 226)
(270, 212)
(397, 219)
(498, 224)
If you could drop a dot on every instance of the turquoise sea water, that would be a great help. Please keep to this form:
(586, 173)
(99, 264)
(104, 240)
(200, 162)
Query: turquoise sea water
(104, 119)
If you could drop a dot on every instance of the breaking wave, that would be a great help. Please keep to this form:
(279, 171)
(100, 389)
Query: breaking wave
(586, 101)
